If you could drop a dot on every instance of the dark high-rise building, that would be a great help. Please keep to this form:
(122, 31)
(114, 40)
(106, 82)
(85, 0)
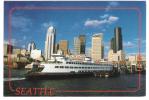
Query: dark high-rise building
(112, 44)
(79, 44)
(116, 42)
(82, 44)
(118, 39)
(102, 49)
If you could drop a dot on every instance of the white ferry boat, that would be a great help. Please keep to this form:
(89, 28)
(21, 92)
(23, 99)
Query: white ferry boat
(62, 67)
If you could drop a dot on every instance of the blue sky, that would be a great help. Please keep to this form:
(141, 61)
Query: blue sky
(31, 25)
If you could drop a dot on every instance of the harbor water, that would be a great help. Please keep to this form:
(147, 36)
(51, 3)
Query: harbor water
(122, 82)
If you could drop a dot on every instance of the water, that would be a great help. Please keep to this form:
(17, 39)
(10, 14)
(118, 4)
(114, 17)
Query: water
(123, 82)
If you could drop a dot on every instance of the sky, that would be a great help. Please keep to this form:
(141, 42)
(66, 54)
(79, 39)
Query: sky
(31, 25)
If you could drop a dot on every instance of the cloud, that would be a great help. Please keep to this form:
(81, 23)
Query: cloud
(94, 23)
(21, 23)
(107, 20)
(129, 44)
(104, 16)
(112, 19)
(111, 4)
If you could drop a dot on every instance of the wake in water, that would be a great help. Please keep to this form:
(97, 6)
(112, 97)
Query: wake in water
(14, 79)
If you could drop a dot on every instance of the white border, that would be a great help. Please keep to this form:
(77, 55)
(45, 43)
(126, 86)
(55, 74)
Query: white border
(68, 98)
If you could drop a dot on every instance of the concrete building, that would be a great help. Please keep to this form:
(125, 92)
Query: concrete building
(63, 46)
(36, 54)
(97, 47)
(50, 42)
(23, 52)
(17, 51)
(119, 56)
(31, 46)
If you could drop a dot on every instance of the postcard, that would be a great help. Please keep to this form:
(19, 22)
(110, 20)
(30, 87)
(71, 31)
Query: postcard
(74, 48)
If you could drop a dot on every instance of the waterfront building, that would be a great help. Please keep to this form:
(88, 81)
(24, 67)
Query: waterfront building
(7, 49)
(79, 44)
(50, 42)
(23, 52)
(31, 46)
(119, 56)
(35, 54)
(16, 51)
(96, 47)
(63, 46)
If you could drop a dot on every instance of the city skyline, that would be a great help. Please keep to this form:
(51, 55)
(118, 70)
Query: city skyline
(73, 23)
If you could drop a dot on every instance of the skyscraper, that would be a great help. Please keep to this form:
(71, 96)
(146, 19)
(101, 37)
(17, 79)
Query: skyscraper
(82, 44)
(50, 42)
(97, 47)
(113, 45)
(118, 39)
(76, 45)
(63, 45)
(79, 44)
(31, 46)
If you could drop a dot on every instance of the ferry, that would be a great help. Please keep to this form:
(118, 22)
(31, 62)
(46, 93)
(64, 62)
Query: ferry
(61, 67)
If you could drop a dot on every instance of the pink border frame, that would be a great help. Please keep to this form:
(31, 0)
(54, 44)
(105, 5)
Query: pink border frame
(78, 8)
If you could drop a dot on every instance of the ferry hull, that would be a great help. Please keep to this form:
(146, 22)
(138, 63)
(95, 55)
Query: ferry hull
(36, 75)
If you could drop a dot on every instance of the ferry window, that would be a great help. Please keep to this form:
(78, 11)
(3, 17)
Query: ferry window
(79, 67)
(56, 66)
(61, 66)
(75, 67)
(83, 67)
(66, 66)
(71, 67)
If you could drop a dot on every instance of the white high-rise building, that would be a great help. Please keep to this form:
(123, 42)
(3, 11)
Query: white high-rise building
(50, 42)
(31, 46)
